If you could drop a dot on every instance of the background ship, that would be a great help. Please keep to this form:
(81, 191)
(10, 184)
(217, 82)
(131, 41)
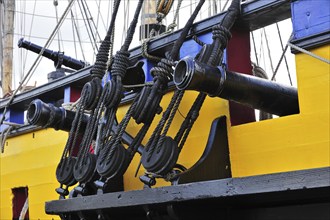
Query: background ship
(238, 168)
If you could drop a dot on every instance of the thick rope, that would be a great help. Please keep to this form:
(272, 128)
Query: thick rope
(220, 36)
(162, 75)
(118, 71)
(170, 111)
(100, 66)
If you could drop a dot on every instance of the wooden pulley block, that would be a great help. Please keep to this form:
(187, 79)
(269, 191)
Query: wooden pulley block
(164, 6)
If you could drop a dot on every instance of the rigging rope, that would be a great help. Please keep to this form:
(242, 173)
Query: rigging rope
(112, 94)
(93, 23)
(75, 27)
(55, 3)
(255, 48)
(269, 53)
(32, 21)
(261, 73)
(221, 36)
(152, 95)
(212, 55)
(309, 53)
(171, 26)
(91, 99)
(286, 62)
(88, 27)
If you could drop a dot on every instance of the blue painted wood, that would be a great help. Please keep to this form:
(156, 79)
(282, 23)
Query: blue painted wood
(147, 65)
(310, 17)
(14, 116)
(67, 94)
(191, 48)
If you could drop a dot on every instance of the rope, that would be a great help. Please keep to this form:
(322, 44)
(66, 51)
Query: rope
(24, 210)
(255, 48)
(120, 64)
(157, 139)
(100, 65)
(286, 62)
(72, 139)
(93, 23)
(91, 131)
(197, 40)
(178, 99)
(74, 27)
(55, 3)
(269, 53)
(279, 62)
(299, 49)
(163, 7)
(122, 126)
(3, 137)
(171, 26)
(176, 48)
(190, 120)
(131, 29)
(220, 36)
(121, 61)
(162, 74)
(87, 24)
(144, 50)
(118, 71)
(138, 85)
(309, 53)
(261, 73)
(163, 70)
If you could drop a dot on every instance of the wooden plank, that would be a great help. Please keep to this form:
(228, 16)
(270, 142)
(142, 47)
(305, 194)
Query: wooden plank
(283, 186)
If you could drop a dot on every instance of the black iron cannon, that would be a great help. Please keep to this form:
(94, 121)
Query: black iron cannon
(48, 115)
(58, 57)
(248, 90)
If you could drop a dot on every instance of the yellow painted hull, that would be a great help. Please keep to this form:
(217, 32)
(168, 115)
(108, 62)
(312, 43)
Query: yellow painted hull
(288, 143)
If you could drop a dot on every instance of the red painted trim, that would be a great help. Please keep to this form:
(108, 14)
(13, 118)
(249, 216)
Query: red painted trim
(74, 94)
(19, 197)
(238, 60)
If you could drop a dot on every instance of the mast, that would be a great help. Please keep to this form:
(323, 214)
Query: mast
(1, 24)
(8, 34)
(148, 18)
(1, 35)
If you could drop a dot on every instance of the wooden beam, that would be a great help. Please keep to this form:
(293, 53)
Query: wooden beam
(8, 46)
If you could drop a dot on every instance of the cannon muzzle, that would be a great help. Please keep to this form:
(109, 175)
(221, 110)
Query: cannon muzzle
(248, 90)
(48, 115)
(58, 57)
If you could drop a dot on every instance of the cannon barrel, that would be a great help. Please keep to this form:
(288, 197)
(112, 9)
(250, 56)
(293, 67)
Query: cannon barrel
(248, 90)
(58, 57)
(48, 115)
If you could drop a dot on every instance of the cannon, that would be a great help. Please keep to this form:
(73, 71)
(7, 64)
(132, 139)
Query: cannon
(262, 94)
(48, 115)
(58, 57)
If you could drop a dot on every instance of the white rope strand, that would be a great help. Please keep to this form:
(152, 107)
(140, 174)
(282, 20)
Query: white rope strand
(309, 53)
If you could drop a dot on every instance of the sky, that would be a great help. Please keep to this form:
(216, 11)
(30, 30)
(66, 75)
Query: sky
(35, 20)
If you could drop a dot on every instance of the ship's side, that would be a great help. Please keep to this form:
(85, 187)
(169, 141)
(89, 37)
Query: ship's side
(284, 144)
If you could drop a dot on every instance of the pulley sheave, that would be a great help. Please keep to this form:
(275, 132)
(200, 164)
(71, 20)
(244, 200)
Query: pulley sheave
(64, 171)
(163, 158)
